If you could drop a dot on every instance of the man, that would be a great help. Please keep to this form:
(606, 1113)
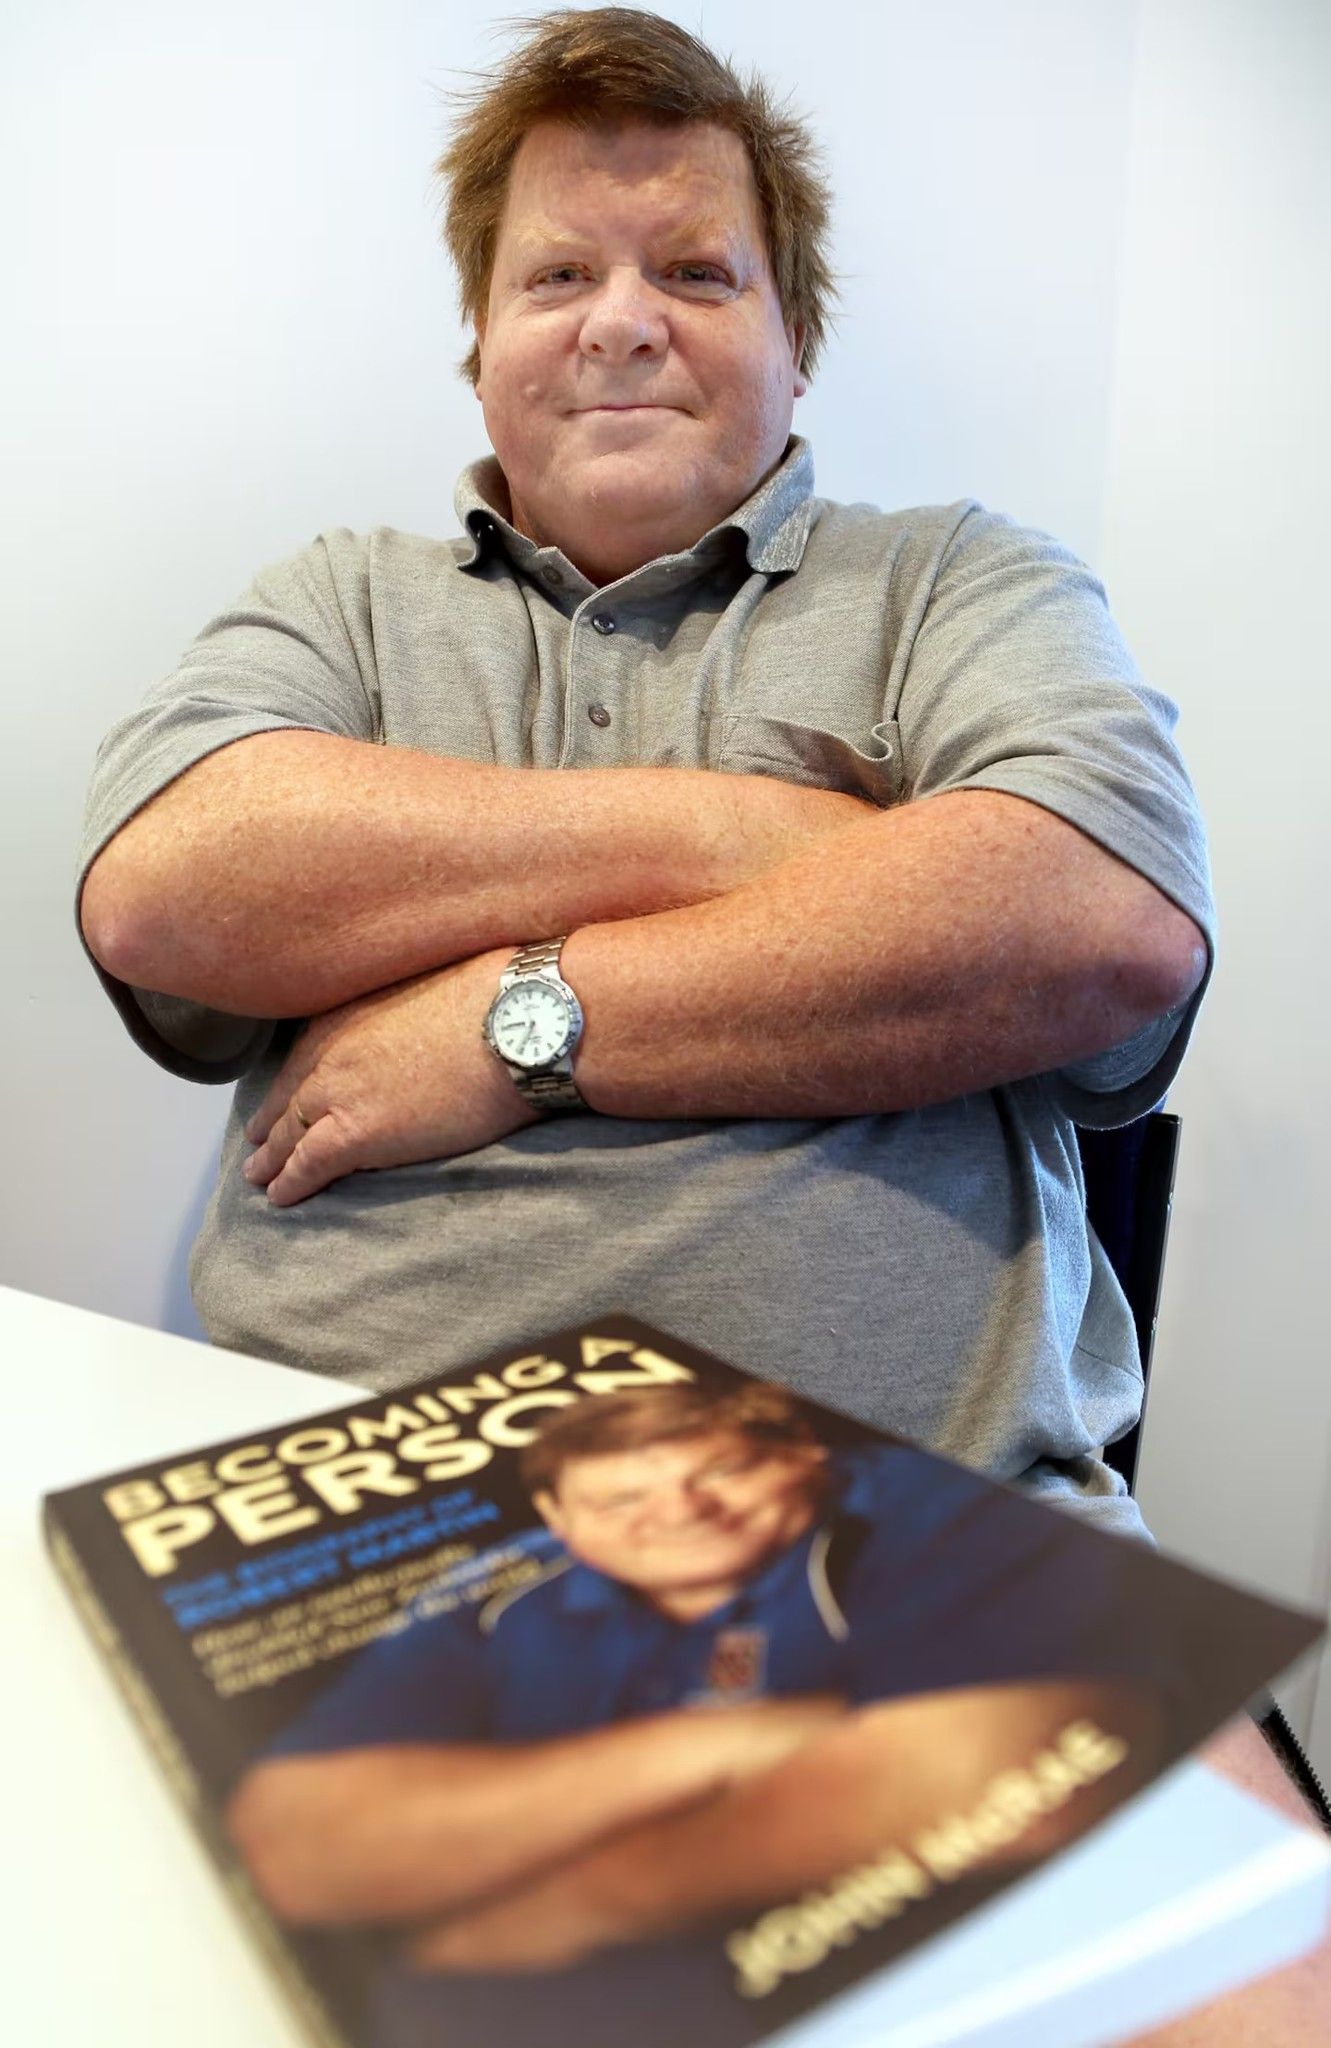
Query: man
(840, 1000)
(746, 1667)
(843, 995)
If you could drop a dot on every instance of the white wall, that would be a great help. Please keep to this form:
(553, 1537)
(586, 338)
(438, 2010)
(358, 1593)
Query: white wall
(233, 326)
(1216, 536)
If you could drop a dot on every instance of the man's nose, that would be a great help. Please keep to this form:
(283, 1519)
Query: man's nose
(626, 317)
(677, 1505)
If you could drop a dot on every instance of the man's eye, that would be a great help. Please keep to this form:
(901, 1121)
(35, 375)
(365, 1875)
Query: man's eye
(691, 273)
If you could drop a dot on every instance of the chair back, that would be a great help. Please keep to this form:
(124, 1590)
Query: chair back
(1129, 1176)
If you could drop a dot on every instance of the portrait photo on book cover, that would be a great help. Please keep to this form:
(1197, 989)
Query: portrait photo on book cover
(754, 1702)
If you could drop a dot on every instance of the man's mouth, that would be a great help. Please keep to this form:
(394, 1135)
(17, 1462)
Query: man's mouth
(701, 1532)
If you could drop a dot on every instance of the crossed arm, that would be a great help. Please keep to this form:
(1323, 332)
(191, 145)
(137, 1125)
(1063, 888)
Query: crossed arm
(880, 1780)
(741, 946)
(528, 1855)
(399, 1832)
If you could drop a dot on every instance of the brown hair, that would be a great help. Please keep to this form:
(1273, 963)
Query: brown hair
(601, 66)
(628, 1422)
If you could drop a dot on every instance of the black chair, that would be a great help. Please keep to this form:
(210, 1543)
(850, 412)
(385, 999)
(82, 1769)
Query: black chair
(1129, 1175)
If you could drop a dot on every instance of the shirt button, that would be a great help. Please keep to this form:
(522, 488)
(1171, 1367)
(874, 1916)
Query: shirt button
(603, 622)
(598, 714)
(554, 577)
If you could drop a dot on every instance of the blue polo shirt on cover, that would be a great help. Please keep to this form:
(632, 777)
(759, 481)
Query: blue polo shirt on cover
(859, 1606)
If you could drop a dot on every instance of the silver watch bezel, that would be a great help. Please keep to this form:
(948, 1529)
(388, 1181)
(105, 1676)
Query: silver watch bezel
(573, 1024)
(548, 1086)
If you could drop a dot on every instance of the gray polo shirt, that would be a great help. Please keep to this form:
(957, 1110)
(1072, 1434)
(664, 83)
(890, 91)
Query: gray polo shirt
(929, 1270)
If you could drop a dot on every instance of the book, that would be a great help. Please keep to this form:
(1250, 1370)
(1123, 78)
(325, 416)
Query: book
(607, 1688)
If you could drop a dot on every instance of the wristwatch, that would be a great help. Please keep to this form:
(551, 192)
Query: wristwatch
(534, 1025)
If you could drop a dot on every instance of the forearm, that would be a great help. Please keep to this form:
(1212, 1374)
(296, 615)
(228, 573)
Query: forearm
(390, 1833)
(293, 871)
(921, 954)
(884, 1781)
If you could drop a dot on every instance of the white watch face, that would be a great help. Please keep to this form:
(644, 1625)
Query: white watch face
(531, 1024)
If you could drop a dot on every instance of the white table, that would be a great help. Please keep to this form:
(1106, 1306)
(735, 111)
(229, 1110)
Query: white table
(119, 1935)
(116, 1929)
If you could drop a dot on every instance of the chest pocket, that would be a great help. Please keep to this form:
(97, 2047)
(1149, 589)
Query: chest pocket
(754, 743)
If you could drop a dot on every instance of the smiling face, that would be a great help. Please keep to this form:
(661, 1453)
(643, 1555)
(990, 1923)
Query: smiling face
(689, 1520)
(636, 378)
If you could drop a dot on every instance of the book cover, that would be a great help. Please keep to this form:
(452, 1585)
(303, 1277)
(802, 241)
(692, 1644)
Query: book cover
(607, 1688)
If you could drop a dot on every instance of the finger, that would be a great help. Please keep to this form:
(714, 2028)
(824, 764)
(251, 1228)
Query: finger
(295, 1069)
(471, 1943)
(433, 1950)
(286, 1083)
(323, 1154)
(282, 1140)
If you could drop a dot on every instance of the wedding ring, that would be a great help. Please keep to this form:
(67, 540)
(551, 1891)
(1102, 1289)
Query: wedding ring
(300, 1116)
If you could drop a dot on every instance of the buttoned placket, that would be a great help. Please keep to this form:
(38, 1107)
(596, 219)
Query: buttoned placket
(600, 716)
(599, 676)
(595, 684)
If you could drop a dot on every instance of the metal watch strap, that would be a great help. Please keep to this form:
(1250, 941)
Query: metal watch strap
(533, 959)
(549, 1091)
(552, 1091)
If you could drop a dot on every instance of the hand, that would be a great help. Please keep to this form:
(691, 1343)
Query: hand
(616, 1892)
(391, 1078)
(753, 1737)
(547, 1925)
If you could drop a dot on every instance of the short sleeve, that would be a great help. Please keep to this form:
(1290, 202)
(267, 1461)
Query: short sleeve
(1019, 681)
(294, 651)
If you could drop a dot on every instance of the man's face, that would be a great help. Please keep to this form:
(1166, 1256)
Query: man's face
(698, 1515)
(636, 378)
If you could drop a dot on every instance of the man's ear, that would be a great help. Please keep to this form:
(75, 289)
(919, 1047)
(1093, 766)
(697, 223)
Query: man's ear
(813, 1458)
(547, 1507)
(795, 336)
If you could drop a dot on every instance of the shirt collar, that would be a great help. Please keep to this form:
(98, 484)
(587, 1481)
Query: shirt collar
(774, 521)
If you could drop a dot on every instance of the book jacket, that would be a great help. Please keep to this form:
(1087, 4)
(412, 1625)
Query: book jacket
(606, 1691)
